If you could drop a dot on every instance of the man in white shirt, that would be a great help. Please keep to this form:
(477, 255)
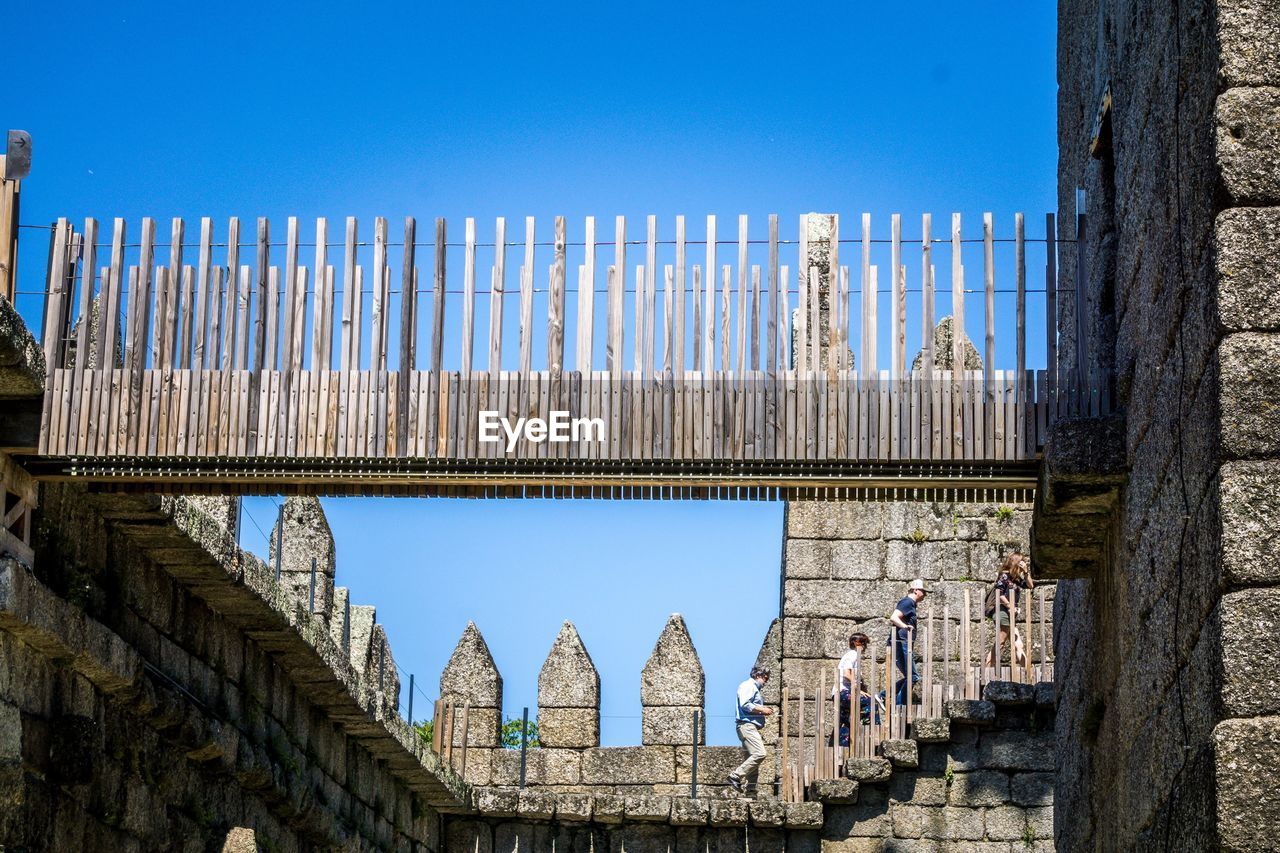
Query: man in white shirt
(750, 715)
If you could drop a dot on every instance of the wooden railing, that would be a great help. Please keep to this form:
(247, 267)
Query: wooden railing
(951, 663)
(237, 357)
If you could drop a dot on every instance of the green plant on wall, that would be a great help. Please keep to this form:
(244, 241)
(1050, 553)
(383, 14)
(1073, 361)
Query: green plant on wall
(1004, 513)
(917, 536)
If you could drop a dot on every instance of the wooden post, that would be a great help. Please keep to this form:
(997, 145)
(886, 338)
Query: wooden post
(819, 731)
(786, 736)
(966, 656)
(466, 725)
(1044, 646)
(10, 196)
(1051, 306)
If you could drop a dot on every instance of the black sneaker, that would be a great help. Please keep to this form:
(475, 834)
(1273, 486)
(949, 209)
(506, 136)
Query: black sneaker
(735, 783)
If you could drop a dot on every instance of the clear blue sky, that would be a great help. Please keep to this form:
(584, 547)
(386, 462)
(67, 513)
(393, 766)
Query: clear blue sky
(542, 109)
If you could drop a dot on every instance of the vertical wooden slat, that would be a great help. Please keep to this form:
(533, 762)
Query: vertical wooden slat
(214, 351)
(833, 300)
(437, 299)
(618, 296)
(1020, 268)
(873, 300)
(109, 337)
(668, 336)
(233, 328)
(526, 300)
(989, 314)
(88, 269)
(496, 295)
(754, 332)
(468, 295)
(288, 316)
(680, 277)
(203, 297)
(726, 286)
(787, 335)
(321, 301)
(378, 325)
(709, 301)
(897, 344)
(742, 293)
(260, 309)
(350, 356)
(555, 303)
(586, 299)
(771, 342)
(242, 317)
(650, 292)
(957, 300)
(926, 294)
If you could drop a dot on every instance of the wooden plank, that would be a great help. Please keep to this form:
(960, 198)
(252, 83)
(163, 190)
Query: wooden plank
(321, 301)
(109, 340)
(755, 317)
(926, 294)
(771, 338)
(241, 329)
(235, 328)
(270, 345)
(709, 301)
(586, 299)
(650, 293)
(497, 289)
(958, 335)
(668, 289)
(898, 341)
(288, 316)
(350, 299)
(468, 296)
(203, 296)
(298, 319)
(742, 294)
(408, 333)
(555, 302)
(260, 310)
(726, 315)
(833, 300)
(1020, 329)
(378, 325)
(680, 279)
(526, 300)
(989, 314)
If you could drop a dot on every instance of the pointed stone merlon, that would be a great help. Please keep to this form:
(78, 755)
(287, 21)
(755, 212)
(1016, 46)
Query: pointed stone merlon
(943, 352)
(307, 536)
(672, 687)
(472, 676)
(381, 674)
(770, 657)
(569, 694)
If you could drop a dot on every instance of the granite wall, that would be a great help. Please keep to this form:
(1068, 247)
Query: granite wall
(1169, 708)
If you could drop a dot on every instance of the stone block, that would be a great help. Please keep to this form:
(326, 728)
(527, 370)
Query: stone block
(573, 806)
(1250, 423)
(834, 519)
(841, 792)
(844, 599)
(496, 802)
(1249, 512)
(834, 559)
(628, 765)
(608, 808)
(971, 711)
(1006, 823)
(686, 811)
(1250, 631)
(714, 763)
(901, 753)
(1008, 693)
(768, 812)
(934, 561)
(639, 807)
(535, 804)
(918, 789)
(931, 730)
(868, 771)
(542, 767)
(572, 728)
(673, 674)
(1247, 134)
(979, 788)
(1045, 695)
(1018, 751)
(670, 726)
(1247, 279)
(1246, 754)
(1032, 789)
(470, 675)
(568, 678)
(729, 811)
(1041, 822)
(803, 815)
(468, 836)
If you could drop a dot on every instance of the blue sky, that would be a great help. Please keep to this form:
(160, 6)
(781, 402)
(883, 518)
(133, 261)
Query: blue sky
(543, 109)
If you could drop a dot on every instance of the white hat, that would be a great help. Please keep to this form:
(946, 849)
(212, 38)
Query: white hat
(918, 583)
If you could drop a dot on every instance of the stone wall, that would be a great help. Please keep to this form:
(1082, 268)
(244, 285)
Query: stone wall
(979, 780)
(1168, 728)
(160, 690)
(845, 565)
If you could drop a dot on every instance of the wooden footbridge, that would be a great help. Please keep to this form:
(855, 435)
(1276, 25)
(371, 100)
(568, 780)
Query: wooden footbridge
(719, 367)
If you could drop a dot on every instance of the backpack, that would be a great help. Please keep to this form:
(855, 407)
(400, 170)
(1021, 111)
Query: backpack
(989, 606)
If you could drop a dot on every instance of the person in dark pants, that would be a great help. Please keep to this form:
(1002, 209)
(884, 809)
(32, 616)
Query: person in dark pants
(850, 673)
(904, 625)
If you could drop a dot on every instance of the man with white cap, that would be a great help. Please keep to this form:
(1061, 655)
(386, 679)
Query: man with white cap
(904, 624)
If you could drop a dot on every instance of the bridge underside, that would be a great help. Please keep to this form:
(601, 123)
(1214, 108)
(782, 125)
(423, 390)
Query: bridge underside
(1008, 481)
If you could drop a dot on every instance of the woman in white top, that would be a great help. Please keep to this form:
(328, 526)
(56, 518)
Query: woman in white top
(850, 670)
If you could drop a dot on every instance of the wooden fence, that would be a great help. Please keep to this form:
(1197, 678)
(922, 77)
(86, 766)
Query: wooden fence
(953, 663)
(239, 357)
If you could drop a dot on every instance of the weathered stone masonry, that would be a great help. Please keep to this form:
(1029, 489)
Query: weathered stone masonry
(1169, 712)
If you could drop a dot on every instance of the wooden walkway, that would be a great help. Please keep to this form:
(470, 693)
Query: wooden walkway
(240, 373)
